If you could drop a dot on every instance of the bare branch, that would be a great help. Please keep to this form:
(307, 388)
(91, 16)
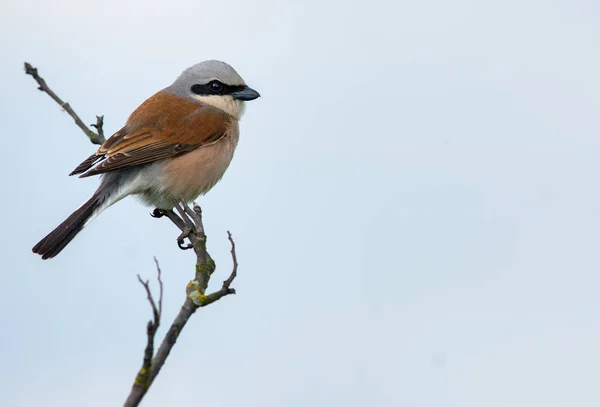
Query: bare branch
(160, 288)
(189, 222)
(142, 381)
(100, 127)
(233, 275)
(146, 284)
(225, 290)
(96, 138)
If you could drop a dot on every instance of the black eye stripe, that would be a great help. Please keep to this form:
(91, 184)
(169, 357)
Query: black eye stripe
(210, 89)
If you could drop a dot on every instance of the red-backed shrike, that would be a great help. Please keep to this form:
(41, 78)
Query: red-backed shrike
(176, 145)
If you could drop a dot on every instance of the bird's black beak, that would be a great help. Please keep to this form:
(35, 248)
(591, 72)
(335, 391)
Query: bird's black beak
(246, 94)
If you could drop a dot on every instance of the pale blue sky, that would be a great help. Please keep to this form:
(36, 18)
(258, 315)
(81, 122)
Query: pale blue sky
(414, 199)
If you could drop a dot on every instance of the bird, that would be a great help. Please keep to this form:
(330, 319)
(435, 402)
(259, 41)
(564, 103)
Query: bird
(174, 147)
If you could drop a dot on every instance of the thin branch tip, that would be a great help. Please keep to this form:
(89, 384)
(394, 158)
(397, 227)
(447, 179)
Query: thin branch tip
(95, 138)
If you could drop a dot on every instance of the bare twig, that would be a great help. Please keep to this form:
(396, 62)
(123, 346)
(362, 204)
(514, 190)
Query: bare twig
(233, 275)
(142, 379)
(156, 310)
(96, 138)
(225, 289)
(100, 127)
(160, 288)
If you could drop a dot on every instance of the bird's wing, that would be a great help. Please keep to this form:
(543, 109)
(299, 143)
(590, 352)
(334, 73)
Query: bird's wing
(163, 126)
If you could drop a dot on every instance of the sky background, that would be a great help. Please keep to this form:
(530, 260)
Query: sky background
(414, 200)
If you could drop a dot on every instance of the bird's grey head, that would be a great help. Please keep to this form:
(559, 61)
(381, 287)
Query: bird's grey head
(215, 83)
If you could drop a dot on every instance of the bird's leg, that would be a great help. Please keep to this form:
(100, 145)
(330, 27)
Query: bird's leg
(188, 227)
(194, 216)
(183, 215)
(180, 223)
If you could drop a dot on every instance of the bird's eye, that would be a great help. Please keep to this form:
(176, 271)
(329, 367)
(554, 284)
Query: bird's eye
(215, 86)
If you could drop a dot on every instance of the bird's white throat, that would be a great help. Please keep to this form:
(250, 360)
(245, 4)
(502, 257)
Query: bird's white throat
(225, 103)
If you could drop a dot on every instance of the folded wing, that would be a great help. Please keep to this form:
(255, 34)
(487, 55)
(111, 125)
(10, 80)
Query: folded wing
(164, 126)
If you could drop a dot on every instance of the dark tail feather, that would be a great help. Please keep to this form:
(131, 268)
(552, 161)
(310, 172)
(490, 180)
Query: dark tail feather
(56, 240)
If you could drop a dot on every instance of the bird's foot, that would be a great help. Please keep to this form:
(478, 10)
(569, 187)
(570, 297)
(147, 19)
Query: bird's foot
(158, 213)
(181, 239)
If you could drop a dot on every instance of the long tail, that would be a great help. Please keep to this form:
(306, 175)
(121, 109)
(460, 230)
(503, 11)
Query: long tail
(60, 237)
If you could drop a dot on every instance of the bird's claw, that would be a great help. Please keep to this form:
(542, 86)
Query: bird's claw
(182, 237)
(157, 213)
